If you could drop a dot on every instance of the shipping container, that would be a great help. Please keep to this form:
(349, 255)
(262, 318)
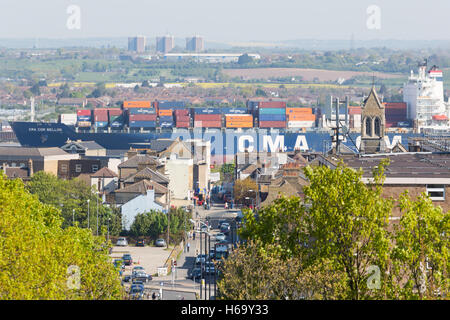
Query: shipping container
(84, 112)
(272, 111)
(183, 124)
(170, 104)
(239, 124)
(165, 112)
(301, 117)
(208, 124)
(272, 117)
(272, 124)
(299, 110)
(84, 118)
(243, 117)
(68, 118)
(142, 124)
(115, 112)
(137, 104)
(101, 124)
(207, 111)
(301, 124)
(166, 124)
(84, 123)
(116, 124)
(182, 112)
(142, 117)
(182, 118)
(272, 104)
(166, 118)
(234, 111)
(208, 117)
(142, 111)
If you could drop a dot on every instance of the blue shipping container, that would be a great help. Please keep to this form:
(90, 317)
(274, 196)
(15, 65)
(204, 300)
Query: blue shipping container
(163, 105)
(166, 124)
(165, 118)
(116, 124)
(207, 111)
(101, 124)
(272, 117)
(142, 124)
(272, 111)
(84, 118)
(234, 111)
(142, 111)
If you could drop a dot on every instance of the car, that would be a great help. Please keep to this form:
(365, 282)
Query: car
(225, 228)
(200, 259)
(160, 243)
(140, 243)
(127, 278)
(204, 228)
(137, 292)
(122, 242)
(212, 254)
(209, 268)
(195, 273)
(141, 276)
(127, 259)
(137, 268)
(220, 236)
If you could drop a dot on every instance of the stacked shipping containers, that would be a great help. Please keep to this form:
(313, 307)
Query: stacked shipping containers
(84, 118)
(395, 112)
(101, 118)
(69, 119)
(300, 118)
(238, 121)
(140, 114)
(272, 114)
(207, 118)
(182, 119)
(116, 118)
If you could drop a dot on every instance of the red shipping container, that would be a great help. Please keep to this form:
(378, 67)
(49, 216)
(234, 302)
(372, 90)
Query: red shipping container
(208, 117)
(183, 124)
(182, 118)
(272, 104)
(84, 112)
(115, 112)
(208, 124)
(272, 124)
(182, 112)
(142, 117)
(101, 118)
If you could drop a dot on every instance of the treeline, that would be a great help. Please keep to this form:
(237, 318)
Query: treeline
(339, 242)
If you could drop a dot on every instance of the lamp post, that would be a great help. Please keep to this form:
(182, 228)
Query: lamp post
(88, 200)
(73, 217)
(97, 212)
(109, 219)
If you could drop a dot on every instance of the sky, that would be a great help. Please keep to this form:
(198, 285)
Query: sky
(228, 20)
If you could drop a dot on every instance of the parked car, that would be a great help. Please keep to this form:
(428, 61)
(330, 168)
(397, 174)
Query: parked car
(212, 254)
(127, 278)
(137, 292)
(195, 273)
(140, 243)
(137, 268)
(122, 242)
(127, 260)
(210, 268)
(201, 258)
(141, 276)
(220, 236)
(225, 228)
(160, 243)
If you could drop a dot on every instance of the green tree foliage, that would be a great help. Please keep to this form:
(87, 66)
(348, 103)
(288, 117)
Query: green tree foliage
(421, 253)
(244, 189)
(245, 59)
(70, 195)
(36, 252)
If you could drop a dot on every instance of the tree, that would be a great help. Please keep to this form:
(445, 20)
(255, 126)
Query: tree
(260, 93)
(245, 59)
(243, 189)
(38, 254)
(421, 252)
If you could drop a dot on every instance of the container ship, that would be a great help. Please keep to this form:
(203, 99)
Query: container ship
(263, 125)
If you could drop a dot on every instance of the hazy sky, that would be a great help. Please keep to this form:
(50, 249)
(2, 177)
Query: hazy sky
(228, 20)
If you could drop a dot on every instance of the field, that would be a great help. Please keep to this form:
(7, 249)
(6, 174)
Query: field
(305, 74)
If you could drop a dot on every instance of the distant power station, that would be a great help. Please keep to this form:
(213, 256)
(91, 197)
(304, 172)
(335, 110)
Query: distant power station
(164, 44)
(194, 44)
(136, 44)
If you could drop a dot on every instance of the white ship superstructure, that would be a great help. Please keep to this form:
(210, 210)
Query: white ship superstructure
(424, 96)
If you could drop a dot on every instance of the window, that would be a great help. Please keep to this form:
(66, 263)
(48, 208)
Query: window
(64, 168)
(78, 168)
(94, 168)
(368, 126)
(436, 192)
(377, 127)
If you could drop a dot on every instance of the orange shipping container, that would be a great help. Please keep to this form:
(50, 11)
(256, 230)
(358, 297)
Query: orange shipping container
(301, 117)
(239, 124)
(165, 112)
(298, 110)
(137, 104)
(244, 117)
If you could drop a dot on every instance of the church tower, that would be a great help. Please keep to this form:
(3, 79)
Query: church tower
(373, 123)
